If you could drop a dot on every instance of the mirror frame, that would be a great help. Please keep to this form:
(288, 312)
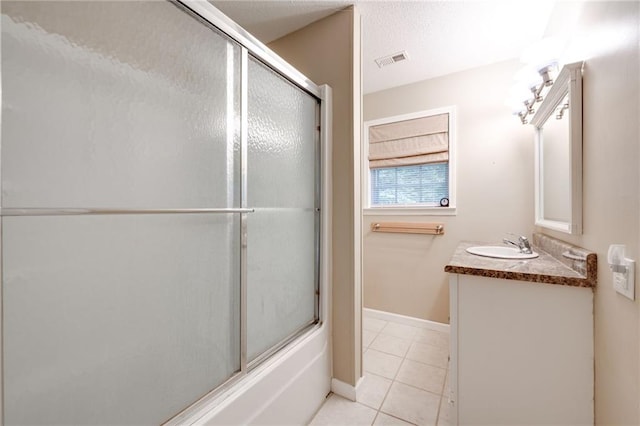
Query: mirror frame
(569, 82)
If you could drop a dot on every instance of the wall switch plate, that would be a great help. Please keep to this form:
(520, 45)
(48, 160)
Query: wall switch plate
(624, 282)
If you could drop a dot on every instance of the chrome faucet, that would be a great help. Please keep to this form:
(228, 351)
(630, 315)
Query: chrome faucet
(522, 244)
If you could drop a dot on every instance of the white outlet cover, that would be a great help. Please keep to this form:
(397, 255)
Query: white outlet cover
(624, 283)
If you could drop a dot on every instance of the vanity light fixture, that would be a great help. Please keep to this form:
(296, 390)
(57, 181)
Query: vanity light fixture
(536, 77)
(535, 89)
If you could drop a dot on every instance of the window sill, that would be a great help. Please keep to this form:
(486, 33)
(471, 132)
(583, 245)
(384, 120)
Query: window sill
(409, 211)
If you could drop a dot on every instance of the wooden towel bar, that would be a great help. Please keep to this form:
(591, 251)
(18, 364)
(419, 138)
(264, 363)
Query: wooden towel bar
(409, 228)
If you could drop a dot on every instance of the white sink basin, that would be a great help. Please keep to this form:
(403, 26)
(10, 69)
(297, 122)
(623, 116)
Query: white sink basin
(500, 252)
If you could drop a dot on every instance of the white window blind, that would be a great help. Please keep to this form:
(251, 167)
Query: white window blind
(421, 184)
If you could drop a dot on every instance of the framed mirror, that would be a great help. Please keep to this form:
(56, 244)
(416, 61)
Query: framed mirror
(558, 154)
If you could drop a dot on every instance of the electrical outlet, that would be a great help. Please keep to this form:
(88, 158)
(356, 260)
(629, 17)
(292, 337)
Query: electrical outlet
(624, 282)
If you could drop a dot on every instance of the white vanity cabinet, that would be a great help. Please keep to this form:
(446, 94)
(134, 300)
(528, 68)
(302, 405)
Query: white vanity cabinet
(521, 352)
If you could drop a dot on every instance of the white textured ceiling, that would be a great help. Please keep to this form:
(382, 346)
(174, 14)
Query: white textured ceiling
(269, 20)
(440, 37)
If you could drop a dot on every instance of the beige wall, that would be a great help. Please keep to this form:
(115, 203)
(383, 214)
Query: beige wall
(405, 274)
(328, 52)
(495, 191)
(607, 39)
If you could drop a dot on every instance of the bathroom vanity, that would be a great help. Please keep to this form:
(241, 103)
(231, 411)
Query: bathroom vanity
(522, 336)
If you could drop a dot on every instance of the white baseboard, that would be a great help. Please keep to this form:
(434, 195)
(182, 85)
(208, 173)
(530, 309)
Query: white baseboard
(345, 390)
(403, 319)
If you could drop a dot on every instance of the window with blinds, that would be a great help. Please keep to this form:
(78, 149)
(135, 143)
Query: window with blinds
(409, 160)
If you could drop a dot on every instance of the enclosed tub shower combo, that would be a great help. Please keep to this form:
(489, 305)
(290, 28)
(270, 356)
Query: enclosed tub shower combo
(164, 219)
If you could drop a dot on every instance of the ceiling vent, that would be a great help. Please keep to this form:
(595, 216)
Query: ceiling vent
(392, 59)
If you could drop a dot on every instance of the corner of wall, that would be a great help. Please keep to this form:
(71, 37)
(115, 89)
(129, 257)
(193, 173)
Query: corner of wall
(327, 51)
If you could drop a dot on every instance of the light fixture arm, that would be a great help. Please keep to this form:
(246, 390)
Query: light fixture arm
(536, 92)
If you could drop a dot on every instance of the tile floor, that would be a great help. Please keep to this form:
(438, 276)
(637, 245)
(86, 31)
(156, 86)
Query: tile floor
(406, 376)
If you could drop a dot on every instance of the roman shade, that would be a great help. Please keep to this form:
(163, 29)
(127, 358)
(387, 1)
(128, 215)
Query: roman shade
(404, 143)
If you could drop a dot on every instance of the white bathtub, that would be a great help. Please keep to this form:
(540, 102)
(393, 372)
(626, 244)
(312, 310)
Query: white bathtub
(286, 390)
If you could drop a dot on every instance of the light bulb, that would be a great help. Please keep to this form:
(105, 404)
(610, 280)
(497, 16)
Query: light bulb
(528, 77)
(516, 107)
(544, 53)
(520, 94)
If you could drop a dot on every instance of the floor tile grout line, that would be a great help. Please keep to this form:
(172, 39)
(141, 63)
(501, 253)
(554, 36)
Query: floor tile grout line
(413, 340)
(385, 397)
(394, 380)
(378, 333)
(440, 401)
(375, 417)
(444, 386)
(405, 384)
(380, 350)
(420, 389)
(376, 336)
(430, 365)
(396, 417)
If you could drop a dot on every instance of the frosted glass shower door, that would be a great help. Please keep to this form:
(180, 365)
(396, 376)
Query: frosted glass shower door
(130, 109)
(282, 233)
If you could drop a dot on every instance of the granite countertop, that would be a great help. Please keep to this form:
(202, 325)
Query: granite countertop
(551, 267)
